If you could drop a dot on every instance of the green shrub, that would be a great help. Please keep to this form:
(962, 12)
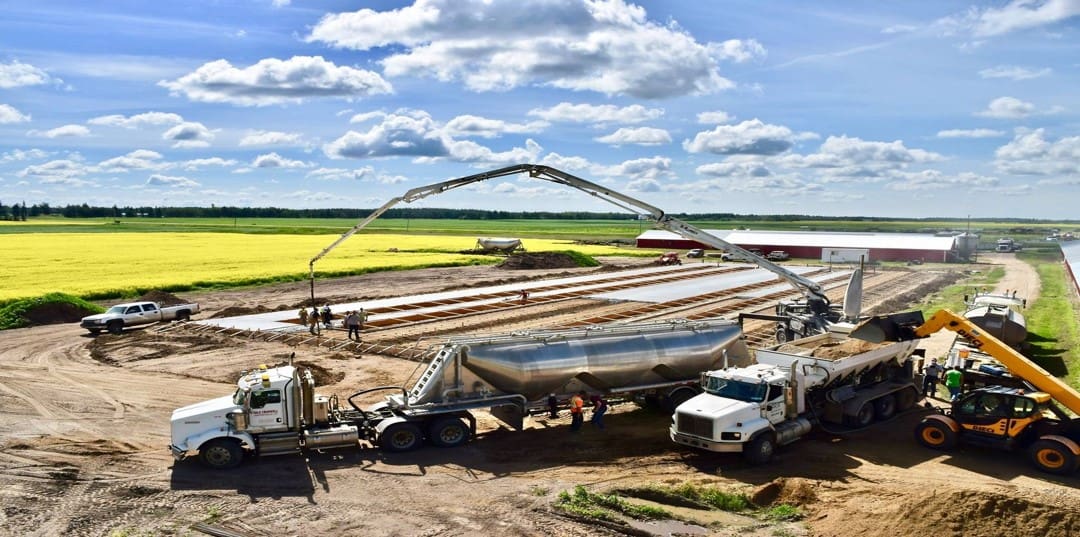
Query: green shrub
(23, 312)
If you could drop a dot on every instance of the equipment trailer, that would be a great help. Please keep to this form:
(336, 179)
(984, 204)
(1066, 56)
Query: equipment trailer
(277, 410)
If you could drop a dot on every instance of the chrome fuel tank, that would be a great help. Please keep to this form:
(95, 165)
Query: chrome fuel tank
(606, 359)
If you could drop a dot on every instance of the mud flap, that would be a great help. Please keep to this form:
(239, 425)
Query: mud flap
(895, 327)
(511, 415)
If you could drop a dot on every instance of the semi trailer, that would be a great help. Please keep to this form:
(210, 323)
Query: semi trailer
(277, 410)
(824, 379)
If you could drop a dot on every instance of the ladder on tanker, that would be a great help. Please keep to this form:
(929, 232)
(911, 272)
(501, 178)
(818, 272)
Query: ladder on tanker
(433, 370)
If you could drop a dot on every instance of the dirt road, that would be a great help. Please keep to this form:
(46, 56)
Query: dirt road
(84, 431)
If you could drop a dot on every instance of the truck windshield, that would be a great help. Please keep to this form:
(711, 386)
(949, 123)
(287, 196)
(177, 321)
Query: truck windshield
(238, 397)
(116, 309)
(734, 389)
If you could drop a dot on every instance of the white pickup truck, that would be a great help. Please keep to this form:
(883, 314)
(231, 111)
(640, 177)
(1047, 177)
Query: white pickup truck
(116, 318)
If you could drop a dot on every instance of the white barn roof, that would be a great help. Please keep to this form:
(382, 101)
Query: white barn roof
(823, 239)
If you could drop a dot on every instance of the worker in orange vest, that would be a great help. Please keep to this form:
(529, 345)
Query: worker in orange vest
(577, 411)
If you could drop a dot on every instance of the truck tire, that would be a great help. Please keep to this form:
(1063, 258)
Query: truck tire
(116, 327)
(884, 407)
(401, 437)
(183, 316)
(905, 399)
(864, 416)
(1053, 457)
(221, 454)
(936, 435)
(448, 432)
(760, 449)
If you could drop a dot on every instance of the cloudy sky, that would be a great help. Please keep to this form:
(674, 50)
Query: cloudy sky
(911, 109)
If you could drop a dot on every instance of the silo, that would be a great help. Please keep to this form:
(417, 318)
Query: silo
(966, 245)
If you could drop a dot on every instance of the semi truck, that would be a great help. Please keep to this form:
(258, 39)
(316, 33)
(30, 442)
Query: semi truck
(277, 410)
(121, 316)
(1017, 419)
(824, 379)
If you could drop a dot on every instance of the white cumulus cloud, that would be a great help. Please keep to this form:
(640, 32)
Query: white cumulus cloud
(1007, 108)
(140, 159)
(274, 81)
(752, 137)
(264, 138)
(738, 50)
(1030, 153)
(715, 117)
(274, 160)
(9, 114)
(189, 134)
(414, 135)
(606, 46)
(590, 113)
(137, 120)
(66, 131)
(1014, 72)
(170, 181)
(970, 133)
(1021, 15)
(637, 136)
(16, 74)
(339, 174)
(469, 125)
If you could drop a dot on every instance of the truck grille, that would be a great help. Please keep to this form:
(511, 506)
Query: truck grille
(695, 425)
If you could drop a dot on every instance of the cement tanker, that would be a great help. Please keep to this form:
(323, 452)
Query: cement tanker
(277, 411)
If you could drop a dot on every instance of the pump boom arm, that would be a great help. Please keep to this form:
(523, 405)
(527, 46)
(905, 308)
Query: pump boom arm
(808, 287)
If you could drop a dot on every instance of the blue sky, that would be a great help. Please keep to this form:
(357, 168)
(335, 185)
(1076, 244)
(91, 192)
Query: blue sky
(905, 109)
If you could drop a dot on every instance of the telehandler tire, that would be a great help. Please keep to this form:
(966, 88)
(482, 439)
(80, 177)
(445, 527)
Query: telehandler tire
(1053, 457)
(221, 454)
(936, 435)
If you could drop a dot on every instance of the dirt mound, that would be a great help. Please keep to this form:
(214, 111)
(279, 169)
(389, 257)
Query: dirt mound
(914, 297)
(322, 375)
(54, 313)
(977, 514)
(162, 298)
(538, 260)
(791, 491)
(236, 311)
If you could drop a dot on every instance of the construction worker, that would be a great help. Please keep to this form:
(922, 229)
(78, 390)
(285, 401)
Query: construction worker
(362, 316)
(577, 411)
(931, 375)
(599, 407)
(313, 320)
(303, 316)
(352, 323)
(553, 406)
(954, 380)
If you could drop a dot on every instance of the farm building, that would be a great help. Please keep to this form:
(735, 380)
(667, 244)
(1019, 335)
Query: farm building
(826, 246)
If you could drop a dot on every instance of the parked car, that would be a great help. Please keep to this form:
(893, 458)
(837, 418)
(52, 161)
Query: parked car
(778, 255)
(696, 252)
(668, 258)
(727, 256)
(756, 251)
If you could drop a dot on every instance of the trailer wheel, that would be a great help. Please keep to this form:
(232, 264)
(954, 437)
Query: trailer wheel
(760, 449)
(884, 407)
(1053, 457)
(401, 437)
(448, 432)
(221, 454)
(679, 396)
(116, 328)
(936, 435)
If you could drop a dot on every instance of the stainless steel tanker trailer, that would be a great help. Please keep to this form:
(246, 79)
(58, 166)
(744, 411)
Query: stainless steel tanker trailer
(277, 410)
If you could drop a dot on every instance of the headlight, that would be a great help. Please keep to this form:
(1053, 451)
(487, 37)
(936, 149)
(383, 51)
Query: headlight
(730, 436)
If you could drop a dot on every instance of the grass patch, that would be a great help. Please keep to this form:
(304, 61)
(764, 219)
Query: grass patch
(25, 312)
(952, 297)
(605, 507)
(783, 513)
(581, 259)
(1053, 329)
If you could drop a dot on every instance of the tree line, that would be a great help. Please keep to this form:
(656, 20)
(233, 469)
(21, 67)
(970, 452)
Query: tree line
(21, 212)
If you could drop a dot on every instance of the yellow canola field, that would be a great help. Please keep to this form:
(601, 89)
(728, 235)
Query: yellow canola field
(95, 264)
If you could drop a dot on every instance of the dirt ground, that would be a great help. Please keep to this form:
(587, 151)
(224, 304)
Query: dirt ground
(84, 430)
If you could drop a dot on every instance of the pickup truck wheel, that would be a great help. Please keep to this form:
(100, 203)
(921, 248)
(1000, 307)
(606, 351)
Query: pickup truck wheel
(884, 407)
(116, 328)
(221, 454)
(401, 437)
(1053, 457)
(183, 316)
(760, 449)
(448, 432)
(936, 435)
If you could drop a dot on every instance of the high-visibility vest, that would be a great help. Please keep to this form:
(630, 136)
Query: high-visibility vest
(576, 404)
